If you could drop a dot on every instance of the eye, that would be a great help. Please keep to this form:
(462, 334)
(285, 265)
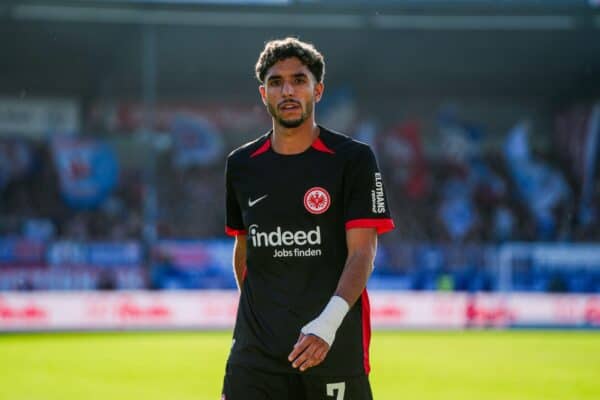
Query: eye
(300, 80)
(275, 82)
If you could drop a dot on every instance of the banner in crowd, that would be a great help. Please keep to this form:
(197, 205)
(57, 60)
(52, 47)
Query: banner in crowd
(563, 257)
(128, 117)
(196, 142)
(40, 278)
(217, 310)
(196, 254)
(576, 134)
(192, 264)
(461, 140)
(539, 184)
(36, 118)
(403, 148)
(16, 251)
(95, 254)
(87, 168)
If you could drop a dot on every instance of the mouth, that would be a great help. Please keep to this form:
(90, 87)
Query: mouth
(289, 106)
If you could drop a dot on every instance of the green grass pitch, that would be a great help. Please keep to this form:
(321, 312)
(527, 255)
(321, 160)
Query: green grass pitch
(406, 365)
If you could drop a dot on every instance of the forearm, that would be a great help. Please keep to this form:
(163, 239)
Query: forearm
(355, 276)
(350, 286)
(362, 244)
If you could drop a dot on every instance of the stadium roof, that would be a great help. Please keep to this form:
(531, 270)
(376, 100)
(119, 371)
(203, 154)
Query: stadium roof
(90, 47)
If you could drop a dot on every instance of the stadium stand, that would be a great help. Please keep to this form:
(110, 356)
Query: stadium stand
(454, 209)
(485, 126)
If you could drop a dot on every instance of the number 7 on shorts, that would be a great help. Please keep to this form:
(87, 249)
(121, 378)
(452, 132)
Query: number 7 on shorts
(339, 387)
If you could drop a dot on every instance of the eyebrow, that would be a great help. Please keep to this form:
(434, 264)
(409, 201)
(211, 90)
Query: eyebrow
(298, 75)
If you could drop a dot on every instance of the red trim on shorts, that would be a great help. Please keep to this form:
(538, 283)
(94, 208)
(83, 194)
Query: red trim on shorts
(366, 329)
(382, 225)
(320, 146)
(234, 232)
(265, 146)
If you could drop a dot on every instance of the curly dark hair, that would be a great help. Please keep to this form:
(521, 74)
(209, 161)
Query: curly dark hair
(281, 49)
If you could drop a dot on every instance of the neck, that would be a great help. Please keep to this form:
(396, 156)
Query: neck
(294, 140)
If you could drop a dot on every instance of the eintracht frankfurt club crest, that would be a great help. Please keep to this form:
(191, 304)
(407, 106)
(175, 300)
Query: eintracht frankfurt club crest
(317, 200)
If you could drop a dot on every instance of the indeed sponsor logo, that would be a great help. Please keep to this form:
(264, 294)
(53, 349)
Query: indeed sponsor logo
(377, 195)
(279, 237)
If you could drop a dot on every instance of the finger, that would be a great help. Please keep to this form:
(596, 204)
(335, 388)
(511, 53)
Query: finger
(310, 360)
(306, 355)
(319, 355)
(302, 343)
(319, 352)
(306, 365)
(299, 347)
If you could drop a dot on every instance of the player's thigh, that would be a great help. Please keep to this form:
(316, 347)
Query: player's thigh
(243, 383)
(337, 388)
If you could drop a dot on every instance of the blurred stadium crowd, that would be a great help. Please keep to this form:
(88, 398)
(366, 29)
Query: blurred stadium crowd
(99, 211)
(115, 121)
(460, 191)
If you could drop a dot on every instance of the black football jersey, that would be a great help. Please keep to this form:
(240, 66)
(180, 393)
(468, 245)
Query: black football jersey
(295, 210)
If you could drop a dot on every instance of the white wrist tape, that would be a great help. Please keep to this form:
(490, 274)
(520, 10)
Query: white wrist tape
(330, 319)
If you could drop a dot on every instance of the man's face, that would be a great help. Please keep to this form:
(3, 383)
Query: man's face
(290, 91)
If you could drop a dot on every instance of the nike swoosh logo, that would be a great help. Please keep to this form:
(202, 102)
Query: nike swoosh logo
(251, 202)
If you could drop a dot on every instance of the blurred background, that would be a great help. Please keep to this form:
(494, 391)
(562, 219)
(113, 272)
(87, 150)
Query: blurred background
(116, 118)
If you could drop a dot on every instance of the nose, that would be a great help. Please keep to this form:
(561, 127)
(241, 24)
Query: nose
(287, 89)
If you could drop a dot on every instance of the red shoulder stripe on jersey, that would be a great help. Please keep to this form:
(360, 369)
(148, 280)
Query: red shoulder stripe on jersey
(264, 147)
(320, 146)
(366, 329)
(234, 232)
(382, 225)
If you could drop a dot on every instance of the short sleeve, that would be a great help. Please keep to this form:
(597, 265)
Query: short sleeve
(234, 224)
(366, 204)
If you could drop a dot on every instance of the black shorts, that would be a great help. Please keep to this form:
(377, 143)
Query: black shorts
(243, 383)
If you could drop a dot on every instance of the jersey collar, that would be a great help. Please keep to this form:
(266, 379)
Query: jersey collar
(317, 144)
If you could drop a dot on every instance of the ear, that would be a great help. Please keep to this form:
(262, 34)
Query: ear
(263, 94)
(318, 91)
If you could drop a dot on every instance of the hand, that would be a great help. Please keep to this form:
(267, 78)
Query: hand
(309, 351)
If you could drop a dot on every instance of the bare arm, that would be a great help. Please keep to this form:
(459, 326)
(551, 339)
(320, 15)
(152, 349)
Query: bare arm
(239, 259)
(310, 350)
(362, 246)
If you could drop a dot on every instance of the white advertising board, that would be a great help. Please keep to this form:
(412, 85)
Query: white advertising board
(40, 311)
